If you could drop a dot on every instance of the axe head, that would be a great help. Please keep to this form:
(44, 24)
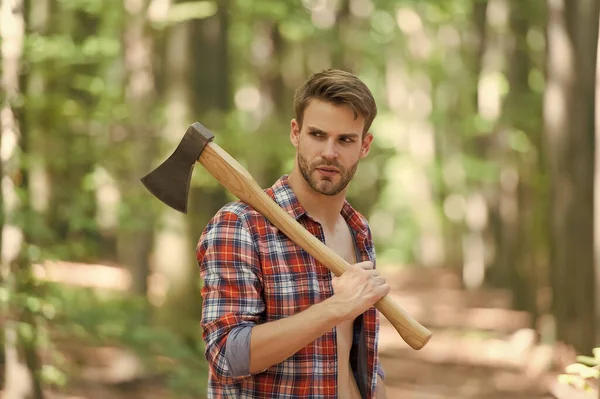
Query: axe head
(170, 181)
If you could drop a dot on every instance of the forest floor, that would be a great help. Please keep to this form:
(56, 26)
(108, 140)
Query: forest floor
(480, 349)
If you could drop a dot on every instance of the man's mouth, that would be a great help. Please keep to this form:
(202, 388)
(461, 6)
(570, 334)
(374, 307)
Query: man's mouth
(329, 169)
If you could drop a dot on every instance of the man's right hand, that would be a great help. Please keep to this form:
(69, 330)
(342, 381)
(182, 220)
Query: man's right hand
(357, 289)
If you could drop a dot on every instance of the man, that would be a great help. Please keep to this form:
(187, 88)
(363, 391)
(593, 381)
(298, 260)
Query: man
(276, 323)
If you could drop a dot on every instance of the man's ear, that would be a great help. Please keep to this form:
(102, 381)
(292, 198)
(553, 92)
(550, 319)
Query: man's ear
(366, 145)
(294, 132)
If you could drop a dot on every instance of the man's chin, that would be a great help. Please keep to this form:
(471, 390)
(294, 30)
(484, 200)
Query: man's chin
(324, 185)
(327, 188)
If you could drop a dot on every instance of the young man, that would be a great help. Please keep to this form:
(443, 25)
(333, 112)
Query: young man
(276, 323)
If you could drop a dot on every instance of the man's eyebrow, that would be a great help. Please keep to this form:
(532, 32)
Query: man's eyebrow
(351, 135)
(315, 129)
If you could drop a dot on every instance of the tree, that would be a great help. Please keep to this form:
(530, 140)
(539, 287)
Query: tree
(519, 131)
(136, 232)
(20, 334)
(569, 103)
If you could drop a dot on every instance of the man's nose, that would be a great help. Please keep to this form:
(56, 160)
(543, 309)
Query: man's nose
(330, 151)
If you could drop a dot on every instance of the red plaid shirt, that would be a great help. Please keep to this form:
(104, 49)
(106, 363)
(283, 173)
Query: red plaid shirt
(253, 274)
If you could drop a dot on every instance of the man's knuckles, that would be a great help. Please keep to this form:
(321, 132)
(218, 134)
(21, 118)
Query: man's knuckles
(367, 265)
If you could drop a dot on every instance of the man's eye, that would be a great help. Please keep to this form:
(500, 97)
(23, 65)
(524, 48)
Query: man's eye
(347, 140)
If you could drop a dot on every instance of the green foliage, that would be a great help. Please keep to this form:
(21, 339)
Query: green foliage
(83, 318)
(181, 12)
(80, 119)
(81, 124)
(580, 374)
(93, 7)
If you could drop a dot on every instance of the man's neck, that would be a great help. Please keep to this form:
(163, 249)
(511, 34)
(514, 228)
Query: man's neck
(323, 208)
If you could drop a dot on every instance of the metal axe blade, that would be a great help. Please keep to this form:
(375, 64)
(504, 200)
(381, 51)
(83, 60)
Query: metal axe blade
(170, 181)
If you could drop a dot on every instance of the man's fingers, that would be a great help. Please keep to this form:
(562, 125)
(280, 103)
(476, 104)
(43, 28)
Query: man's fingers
(379, 281)
(367, 265)
(372, 273)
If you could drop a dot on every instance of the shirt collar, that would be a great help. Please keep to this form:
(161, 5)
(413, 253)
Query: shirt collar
(284, 196)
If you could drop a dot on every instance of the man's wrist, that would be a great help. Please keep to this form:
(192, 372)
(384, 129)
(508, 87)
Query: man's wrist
(333, 310)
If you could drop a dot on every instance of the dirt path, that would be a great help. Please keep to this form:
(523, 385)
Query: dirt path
(420, 377)
(480, 348)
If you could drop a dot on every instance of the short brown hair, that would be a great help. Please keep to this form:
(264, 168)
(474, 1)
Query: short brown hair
(338, 87)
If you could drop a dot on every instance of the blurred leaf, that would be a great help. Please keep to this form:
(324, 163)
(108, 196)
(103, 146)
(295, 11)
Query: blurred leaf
(582, 370)
(33, 304)
(53, 375)
(26, 331)
(4, 295)
(573, 380)
(296, 30)
(180, 12)
(519, 141)
(89, 6)
(588, 361)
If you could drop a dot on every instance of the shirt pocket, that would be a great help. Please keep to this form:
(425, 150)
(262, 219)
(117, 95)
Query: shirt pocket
(288, 292)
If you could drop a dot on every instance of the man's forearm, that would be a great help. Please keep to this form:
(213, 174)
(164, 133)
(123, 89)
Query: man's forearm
(273, 342)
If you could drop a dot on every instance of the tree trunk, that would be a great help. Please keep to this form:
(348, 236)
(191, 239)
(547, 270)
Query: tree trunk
(22, 372)
(479, 205)
(597, 199)
(135, 237)
(572, 34)
(523, 273)
(66, 152)
(173, 257)
(37, 112)
(265, 162)
(212, 86)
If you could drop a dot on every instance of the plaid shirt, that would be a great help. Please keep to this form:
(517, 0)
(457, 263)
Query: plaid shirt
(253, 274)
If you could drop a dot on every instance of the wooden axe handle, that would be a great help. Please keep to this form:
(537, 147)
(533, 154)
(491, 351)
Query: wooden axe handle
(238, 180)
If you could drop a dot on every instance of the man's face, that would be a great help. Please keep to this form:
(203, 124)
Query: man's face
(329, 146)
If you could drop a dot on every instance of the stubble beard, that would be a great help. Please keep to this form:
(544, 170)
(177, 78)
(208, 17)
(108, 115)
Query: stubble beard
(325, 185)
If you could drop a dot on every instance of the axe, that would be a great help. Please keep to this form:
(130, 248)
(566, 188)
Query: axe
(170, 183)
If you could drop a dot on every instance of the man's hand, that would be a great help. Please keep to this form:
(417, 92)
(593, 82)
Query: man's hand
(354, 292)
(357, 289)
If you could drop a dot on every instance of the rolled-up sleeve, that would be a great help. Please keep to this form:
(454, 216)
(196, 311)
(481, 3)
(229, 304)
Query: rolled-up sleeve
(231, 292)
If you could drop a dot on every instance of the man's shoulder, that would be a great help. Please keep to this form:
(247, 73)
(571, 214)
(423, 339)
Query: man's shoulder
(239, 210)
(243, 211)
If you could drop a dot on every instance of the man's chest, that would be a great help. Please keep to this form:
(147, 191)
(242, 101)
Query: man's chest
(278, 255)
(341, 242)
(292, 279)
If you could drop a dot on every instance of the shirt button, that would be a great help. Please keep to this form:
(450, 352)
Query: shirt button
(330, 366)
